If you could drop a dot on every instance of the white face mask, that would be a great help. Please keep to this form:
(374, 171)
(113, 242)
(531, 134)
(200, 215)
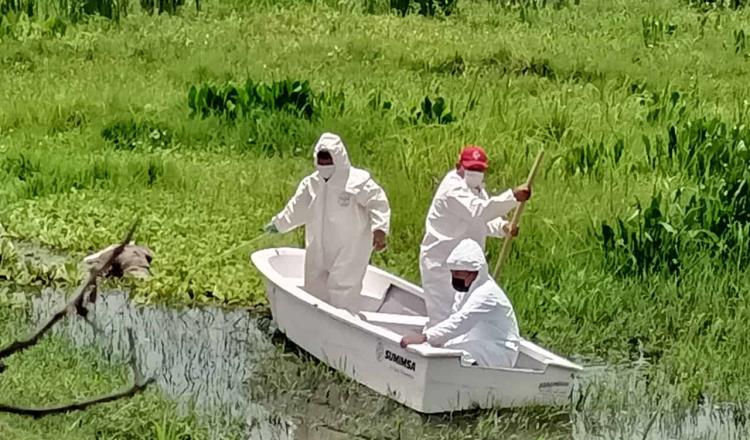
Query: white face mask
(326, 171)
(474, 178)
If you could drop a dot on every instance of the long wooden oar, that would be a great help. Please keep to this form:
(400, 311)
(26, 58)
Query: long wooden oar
(516, 216)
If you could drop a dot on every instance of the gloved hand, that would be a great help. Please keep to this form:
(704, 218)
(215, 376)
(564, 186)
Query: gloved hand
(270, 228)
(522, 193)
(508, 232)
(379, 240)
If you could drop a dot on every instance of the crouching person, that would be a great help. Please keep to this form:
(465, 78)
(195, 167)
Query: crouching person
(482, 323)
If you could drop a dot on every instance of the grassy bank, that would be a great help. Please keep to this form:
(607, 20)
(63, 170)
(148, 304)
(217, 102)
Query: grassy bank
(633, 101)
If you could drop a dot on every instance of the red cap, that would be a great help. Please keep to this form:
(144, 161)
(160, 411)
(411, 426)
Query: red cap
(473, 157)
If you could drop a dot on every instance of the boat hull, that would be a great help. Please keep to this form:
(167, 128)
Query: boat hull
(427, 381)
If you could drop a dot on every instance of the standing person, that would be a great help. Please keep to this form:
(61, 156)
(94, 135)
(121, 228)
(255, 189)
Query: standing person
(346, 214)
(482, 322)
(460, 209)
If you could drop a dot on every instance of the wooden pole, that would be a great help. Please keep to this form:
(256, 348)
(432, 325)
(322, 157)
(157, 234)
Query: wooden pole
(516, 216)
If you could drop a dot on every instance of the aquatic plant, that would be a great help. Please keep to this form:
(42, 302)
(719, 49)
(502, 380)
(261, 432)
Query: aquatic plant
(79, 10)
(718, 4)
(164, 6)
(230, 101)
(590, 159)
(713, 216)
(130, 134)
(655, 30)
(426, 8)
(537, 4)
(740, 41)
(432, 112)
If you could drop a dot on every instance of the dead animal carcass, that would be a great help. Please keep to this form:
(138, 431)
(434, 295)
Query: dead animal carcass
(134, 260)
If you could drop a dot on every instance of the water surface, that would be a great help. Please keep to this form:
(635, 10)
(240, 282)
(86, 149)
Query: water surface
(225, 365)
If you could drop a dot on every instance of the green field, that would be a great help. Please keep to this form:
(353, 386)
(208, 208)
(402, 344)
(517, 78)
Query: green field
(202, 124)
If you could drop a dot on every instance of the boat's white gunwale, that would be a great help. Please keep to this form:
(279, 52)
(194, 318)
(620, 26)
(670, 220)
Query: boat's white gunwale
(261, 261)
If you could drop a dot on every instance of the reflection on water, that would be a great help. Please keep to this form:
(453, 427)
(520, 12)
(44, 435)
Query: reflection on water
(207, 358)
(201, 358)
(626, 403)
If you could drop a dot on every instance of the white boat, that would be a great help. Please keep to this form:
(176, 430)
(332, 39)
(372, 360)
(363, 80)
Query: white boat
(366, 347)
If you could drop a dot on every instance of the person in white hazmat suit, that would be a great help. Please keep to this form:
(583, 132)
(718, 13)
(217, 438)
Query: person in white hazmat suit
(346, 214)
(482, 322)
(461, 208)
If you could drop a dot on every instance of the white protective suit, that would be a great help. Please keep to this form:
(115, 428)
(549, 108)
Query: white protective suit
(482, 322)
(457, 212)
(340, 216)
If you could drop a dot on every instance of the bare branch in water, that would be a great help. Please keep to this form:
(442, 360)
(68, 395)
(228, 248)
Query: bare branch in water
(137, 385)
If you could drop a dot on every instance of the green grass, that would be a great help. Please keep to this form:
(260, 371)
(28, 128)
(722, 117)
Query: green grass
(95, 129)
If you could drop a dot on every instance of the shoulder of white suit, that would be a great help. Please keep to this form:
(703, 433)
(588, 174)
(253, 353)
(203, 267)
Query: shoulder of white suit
(455, 180)
(357, 178)
(491, 289)
(455, 184)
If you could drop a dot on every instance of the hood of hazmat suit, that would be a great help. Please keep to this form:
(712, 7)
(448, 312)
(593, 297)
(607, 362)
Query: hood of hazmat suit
(340, 216)
(468, 256)
(482, 322)
(335, 146)
(457, 212)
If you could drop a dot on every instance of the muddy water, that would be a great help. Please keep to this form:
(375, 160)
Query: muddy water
(210, 359)
(201, 358)
(617, 402)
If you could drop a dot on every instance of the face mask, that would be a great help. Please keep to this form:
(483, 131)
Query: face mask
(459, 284)
(474, 178)
(326, 171)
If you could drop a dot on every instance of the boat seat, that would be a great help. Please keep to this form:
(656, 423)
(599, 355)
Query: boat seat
(388, 319)
(374, 289)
